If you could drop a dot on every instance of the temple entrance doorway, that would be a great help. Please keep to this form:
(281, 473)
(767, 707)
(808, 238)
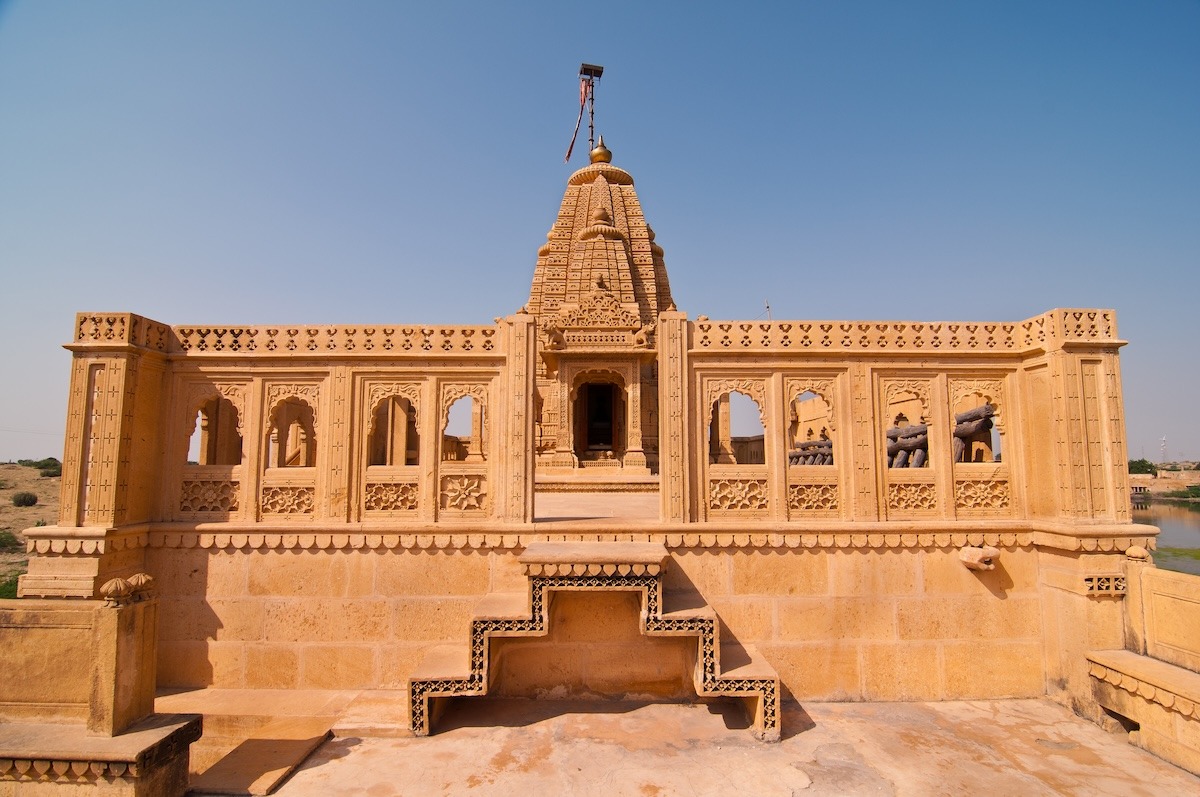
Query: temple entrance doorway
(600, 427)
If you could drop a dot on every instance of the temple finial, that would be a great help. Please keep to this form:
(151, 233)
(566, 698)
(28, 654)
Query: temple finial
(601, 153)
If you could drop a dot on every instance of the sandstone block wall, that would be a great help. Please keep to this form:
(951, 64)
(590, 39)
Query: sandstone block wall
(852, 624)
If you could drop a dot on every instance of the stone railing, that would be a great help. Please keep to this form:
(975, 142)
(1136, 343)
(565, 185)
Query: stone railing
(1047, 331)
(107, 330)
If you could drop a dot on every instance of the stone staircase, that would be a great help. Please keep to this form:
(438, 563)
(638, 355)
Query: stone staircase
(732, 670)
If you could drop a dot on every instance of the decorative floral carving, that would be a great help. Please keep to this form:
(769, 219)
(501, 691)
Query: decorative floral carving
(202, 393)
(464, 493)
(979, 494)
(919, 496)
(309, 394)
(732, 494)
(813, 497)
(822, 387)
(599, 310)
(410, 391)
(288, 500)
(893, 388)
(754, 388)
(453, 392)
(382, 497)
(209, 496)
(990, 390)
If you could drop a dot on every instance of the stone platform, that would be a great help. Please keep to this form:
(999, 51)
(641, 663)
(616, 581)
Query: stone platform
(521, 747)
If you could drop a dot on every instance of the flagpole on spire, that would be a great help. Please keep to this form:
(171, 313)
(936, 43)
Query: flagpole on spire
(588, 75)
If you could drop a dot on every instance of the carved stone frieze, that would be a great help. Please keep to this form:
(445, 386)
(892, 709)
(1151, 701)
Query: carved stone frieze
(209, 496)
(331, 340)
(391, 497)
(288, 500)
(464, 493)
(737, 494)
(981, 494)
(920, 496)
(813, 497)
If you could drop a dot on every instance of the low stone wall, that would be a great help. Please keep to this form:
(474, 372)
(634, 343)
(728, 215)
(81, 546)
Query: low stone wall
(838, 624)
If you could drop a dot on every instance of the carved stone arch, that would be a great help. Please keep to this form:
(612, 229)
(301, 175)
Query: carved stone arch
(756, 389)
(990, 390)
(278, 394)
(823, 387)
(406, 390)
(200, 393)
(918, 388)
(596, 375)
(453, 392)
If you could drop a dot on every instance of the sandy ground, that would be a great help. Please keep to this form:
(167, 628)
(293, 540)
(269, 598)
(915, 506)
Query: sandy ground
(15, 479)
(522, 747)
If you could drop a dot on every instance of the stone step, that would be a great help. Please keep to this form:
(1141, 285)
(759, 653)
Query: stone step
(260, 763)
(375, 713)
(744, 661)
(503, 606)
(443, 662)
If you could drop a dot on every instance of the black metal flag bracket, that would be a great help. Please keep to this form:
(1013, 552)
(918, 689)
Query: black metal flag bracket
(588, 75)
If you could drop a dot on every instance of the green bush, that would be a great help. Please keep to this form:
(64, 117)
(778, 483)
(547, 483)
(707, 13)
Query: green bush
(24, 499)
(8, 586)
(1142, 466)
(48, 462)
(9, 541)
(1191, 492)
(53, 470)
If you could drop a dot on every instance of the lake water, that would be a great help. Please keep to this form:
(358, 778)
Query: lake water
(1180, 528)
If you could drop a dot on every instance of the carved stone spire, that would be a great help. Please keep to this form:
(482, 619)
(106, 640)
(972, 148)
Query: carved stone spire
(600, 233)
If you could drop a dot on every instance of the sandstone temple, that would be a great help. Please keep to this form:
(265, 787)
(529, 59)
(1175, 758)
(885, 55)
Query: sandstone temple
(933, 510)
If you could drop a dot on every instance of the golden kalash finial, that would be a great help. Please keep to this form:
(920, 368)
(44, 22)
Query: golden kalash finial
(601, 153)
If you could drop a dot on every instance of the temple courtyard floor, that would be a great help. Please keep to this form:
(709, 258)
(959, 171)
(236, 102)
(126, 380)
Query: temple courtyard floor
(527, 747)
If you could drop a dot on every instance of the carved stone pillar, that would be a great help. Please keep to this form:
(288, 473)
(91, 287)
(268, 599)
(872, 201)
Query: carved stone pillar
(564, 441)
(674, 415)
(475, 444)
(724, 452)
(635, 454)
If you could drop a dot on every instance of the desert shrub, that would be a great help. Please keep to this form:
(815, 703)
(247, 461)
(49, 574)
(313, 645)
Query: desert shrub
(8, 586)
(53, 470)
(9, 541)
(48, 462)
(24, 499)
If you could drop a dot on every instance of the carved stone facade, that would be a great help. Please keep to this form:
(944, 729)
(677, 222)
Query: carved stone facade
(888, 447)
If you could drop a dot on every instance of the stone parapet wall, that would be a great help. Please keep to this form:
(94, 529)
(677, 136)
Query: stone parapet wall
(856, 624)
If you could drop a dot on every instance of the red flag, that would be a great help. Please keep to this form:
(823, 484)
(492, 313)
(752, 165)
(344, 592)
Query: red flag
(585, 87)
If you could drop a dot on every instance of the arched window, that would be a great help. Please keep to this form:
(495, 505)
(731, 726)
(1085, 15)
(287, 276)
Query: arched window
(810, 431)
(394, 437)
(216, 439)
(293, 441)
(736, 435)
(462, 439)
(976, 435)
(907, 431)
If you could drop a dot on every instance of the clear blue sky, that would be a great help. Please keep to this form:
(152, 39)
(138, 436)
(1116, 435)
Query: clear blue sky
(362, 162)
